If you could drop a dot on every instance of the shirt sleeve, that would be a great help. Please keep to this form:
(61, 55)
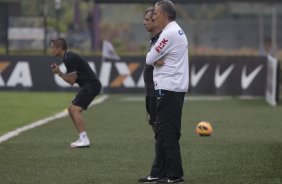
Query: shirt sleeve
(160, 49)
(71, 64)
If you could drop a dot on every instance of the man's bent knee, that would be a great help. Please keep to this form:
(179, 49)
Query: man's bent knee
(72, 109)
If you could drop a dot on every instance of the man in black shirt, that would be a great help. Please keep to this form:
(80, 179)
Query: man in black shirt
(150, 26)
(151, 99)
(78, 71)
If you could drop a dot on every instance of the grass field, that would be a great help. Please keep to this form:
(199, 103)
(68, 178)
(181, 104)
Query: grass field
(18, 109)
(245, 147)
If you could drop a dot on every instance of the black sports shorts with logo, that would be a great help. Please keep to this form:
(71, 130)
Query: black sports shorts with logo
(87, 93)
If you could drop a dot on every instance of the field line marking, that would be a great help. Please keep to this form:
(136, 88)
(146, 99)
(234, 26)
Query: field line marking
(43, 121)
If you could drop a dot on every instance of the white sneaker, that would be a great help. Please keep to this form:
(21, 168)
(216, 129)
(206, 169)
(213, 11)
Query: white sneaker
(80, 143)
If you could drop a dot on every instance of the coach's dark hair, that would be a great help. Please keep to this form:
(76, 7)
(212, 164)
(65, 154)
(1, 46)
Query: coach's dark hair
(60, 42)
(168, 8)
(150, 10)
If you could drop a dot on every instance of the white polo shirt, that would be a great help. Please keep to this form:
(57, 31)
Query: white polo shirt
(172, 47)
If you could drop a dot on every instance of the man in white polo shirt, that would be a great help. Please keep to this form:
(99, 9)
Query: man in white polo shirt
(169, 56)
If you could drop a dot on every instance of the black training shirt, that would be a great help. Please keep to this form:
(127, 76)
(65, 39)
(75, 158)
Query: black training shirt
(148, 71)
(75, 63)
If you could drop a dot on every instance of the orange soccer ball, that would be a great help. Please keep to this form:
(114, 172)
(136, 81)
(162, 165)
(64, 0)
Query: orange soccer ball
(204, 128)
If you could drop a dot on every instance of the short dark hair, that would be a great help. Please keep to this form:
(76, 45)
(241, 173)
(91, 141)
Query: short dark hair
(167, 7)
(60, 42)
(150, 10)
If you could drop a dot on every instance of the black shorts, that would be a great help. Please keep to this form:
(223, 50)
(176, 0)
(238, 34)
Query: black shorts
(87, 93)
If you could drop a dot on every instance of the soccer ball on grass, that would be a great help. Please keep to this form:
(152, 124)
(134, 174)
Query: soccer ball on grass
(204, 128)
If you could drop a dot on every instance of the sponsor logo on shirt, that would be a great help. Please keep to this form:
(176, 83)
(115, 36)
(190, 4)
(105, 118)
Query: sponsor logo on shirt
(161, 45)
(181, 32)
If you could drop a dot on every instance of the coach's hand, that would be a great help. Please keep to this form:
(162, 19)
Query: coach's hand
(159, 62)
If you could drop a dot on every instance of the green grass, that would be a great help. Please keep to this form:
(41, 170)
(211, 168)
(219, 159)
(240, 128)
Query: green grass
(20, 108)
(245, 146)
